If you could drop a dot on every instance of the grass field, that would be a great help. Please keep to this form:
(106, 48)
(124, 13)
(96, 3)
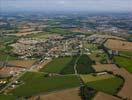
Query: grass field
(127, 53)
(58, 31)
(123, 62)
(110, 85)
(69, 69)
(7, 97)
(91, 78)
(4, 57)
(62, 65)
(84, 65)
(35, 83)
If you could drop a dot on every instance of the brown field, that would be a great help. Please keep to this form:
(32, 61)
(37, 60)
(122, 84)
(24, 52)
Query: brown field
(22, 63)
(126, 90)
(118, 45)
(80, 30)
(70, 94)
(25, 33)
(104, 96)
(9, 70)
(103, 67)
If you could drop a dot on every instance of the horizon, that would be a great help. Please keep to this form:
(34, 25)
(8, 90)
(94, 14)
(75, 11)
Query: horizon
(90, 6)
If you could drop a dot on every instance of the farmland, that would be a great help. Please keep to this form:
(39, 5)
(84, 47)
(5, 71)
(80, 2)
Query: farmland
(123, 62)
(126, 53)
(46, 84)
(21, 63)
(118, 45)
(7, 97)
(110, 85)
(105, 96)
(5, 56)
(90, 78)
(68, 94)
(63, 65)
(58, 31)
(84, 65)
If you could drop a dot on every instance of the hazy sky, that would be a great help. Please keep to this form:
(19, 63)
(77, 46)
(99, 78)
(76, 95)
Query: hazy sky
(66, 5)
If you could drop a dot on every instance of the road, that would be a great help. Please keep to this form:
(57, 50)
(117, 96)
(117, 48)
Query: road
(75, 65)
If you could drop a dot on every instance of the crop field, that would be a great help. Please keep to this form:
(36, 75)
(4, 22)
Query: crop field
(91, 78)
(42, 35)
(6, 57)
(58, 31)
(7, 97)
(21, 63)
(105, 96)
(35, 83)
(64, 65)
(110, 85)
(123, 62)
(118, 45)
(68, 94)
(84, 65)
(126, 53)
(69, 69)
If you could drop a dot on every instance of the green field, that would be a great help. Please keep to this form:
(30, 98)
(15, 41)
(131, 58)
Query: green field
(123, 62)
(58, 31)
(126, 53)
(35, 83)
(84, 65)
(69, 69)
(90, 78)
(110, 85)
(8, 39)
(63, 65)
(4, 57)
(7, 97)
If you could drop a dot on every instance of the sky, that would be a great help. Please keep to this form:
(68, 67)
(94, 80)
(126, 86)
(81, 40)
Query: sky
(67, 5)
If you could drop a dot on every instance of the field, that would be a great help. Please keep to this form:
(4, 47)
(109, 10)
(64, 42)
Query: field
(7, 97)
(69, 69)
(8, 70)
(91, 78)
(68, 94)
(58, 31)
(126, 53)
(105, 96)
(5, 57)
(105, 67)
(84, 65)
(21, 63)
(123, 62)
(35, 83)
(118, 45)
(109, 85)
(62, 65)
